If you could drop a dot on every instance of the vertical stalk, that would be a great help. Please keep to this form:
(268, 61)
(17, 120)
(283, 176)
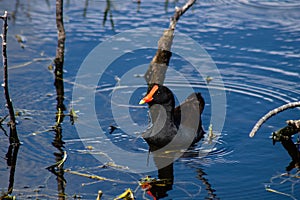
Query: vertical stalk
(13, 148)
(59, 59)
(13, 137)
(58, 143)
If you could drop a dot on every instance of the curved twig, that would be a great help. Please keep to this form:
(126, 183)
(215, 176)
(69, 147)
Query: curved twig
(272, 113)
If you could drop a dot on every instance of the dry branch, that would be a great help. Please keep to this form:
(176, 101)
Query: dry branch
(159, 64)
(272, 113)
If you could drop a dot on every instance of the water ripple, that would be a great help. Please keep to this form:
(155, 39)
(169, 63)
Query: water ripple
(293, 4)
(244, 14)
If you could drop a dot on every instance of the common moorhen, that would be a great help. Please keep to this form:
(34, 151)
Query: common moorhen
(183, 121)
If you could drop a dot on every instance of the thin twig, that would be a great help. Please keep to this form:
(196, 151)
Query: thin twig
(281, 193)
(13, 137)
(96, 177)
(179, 12)
(30, 62)
(272, 113)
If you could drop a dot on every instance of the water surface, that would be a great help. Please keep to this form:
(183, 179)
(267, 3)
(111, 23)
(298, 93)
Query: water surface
(255, 46)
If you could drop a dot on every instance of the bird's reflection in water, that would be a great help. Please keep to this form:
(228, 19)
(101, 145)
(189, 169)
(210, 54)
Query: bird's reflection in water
(158, 187)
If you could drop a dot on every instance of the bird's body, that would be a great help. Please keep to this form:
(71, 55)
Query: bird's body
(181, 125)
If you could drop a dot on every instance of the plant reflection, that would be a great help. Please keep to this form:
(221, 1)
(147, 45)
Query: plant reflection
(27, 11)
(86, 4)
(138, 2)
(14, 13)
(60, 156)
(11, 160)
(210, 191)
(106, 12)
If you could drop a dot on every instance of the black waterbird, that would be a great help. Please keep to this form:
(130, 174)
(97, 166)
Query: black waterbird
(183, 122)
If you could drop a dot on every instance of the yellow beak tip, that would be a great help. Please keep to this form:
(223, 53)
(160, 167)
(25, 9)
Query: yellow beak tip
(142, 101)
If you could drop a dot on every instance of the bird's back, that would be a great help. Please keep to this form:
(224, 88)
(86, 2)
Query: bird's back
(188, 115)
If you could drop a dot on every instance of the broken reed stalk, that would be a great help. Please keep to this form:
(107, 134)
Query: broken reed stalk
(272, 113)
(159, 64)
(13, 137)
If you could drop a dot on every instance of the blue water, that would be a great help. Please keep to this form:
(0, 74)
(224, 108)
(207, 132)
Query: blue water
(254, 46)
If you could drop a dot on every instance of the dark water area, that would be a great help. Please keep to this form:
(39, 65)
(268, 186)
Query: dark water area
(254, 63)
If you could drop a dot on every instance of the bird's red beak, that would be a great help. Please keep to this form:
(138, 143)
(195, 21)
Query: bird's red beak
(149, 96)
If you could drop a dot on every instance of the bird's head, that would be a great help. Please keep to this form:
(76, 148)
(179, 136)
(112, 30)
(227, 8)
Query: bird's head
(158, 94)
